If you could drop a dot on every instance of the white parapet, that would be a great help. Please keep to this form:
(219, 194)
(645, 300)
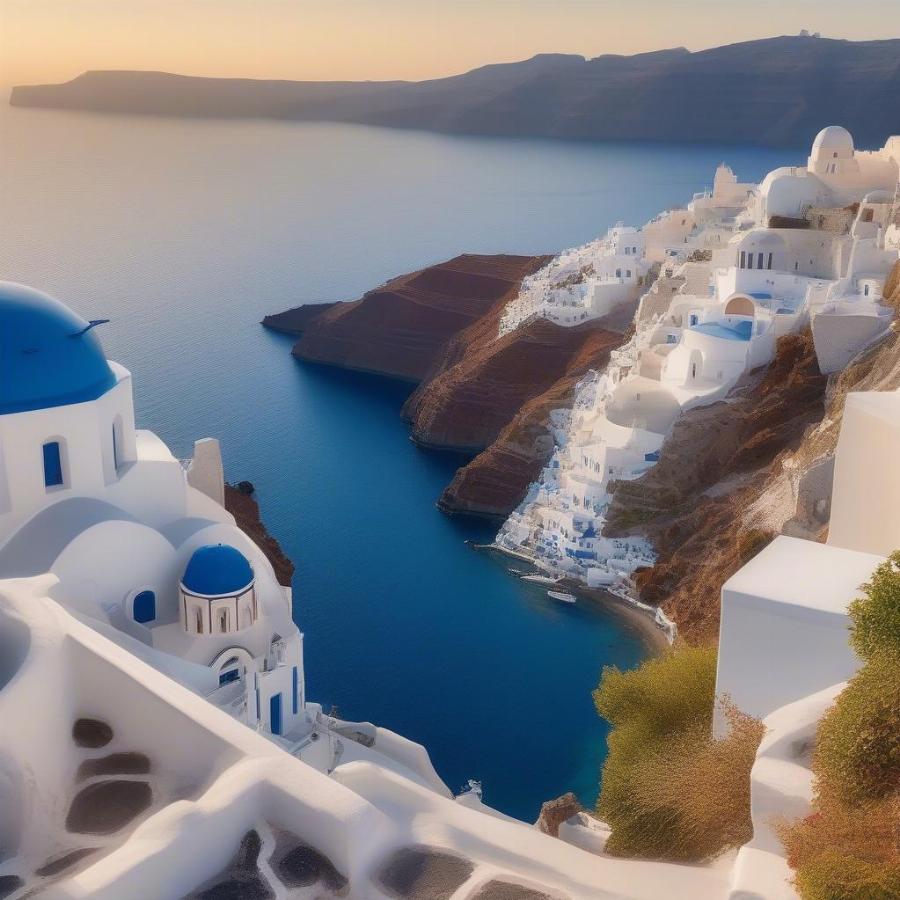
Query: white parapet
(206, 472)
(865, 507)
(784, 628)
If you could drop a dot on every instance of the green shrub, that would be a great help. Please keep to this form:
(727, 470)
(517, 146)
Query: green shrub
(846, 853)
(857, 756)
(834, 876)
(661, 696)
(876, 615)
(669, 790)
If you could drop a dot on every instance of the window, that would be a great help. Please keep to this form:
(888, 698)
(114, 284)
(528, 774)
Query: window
(628, 273)
(618, 273)
(296, 689)
(198, 620)
(743, 258)
(53, 467)
(750, 260)
(144, 607)
(759, 260)
(694, 318)
(866, 291)
(229, 676)
(223, 620)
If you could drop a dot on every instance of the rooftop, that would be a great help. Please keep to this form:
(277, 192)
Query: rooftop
(49, 356)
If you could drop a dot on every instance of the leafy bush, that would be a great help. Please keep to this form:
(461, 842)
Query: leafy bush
(849, 848)
(857, 754)
(876, 615)
(846, 853)
(670, 791)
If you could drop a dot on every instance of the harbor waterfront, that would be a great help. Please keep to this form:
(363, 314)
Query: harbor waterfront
(185, 234)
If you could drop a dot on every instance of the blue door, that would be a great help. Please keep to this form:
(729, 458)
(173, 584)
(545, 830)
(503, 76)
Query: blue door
(275, 713)
(144, 607)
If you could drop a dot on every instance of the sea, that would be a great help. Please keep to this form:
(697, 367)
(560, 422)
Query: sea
(186, 233)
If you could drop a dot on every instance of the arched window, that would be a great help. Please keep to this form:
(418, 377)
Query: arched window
(53, 464)
(198, 620)
(144, 607)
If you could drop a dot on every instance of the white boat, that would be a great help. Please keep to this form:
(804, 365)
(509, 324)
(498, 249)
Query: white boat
(559, 595)
(540, 579)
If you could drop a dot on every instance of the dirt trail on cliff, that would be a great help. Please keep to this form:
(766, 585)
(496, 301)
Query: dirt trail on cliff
(477, 394)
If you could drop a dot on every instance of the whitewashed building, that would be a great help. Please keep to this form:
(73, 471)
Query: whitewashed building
(730, 280)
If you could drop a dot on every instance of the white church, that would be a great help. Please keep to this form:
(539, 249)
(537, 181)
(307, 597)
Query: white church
(137, 549)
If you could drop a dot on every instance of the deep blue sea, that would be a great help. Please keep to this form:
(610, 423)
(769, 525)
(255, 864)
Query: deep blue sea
(186, 233)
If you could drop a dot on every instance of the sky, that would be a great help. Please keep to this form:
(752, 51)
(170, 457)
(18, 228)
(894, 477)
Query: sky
(54, 40)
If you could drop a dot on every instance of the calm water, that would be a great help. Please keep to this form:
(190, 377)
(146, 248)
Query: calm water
(185, 234)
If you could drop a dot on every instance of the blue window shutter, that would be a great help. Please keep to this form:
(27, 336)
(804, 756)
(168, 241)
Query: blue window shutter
(53, 473)
(296, 704)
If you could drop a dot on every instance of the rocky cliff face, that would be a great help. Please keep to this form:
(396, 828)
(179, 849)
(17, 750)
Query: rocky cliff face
(246, 514)
(500, 398)
(477, 394)
(734, 474)
(401, 328)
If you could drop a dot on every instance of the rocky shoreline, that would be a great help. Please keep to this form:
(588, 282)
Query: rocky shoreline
(486, 397)
(240, 503)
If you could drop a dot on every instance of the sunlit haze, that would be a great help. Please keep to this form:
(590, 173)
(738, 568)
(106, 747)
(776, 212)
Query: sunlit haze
(54, 40)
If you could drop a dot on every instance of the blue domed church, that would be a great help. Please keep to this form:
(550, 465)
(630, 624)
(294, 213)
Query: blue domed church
(138, 542)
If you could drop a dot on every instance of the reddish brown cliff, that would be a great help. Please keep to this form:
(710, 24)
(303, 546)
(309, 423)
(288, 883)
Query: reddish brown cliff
(438, 327)
(734, 474)
(246, 513)
(401, 328)
(501, 398)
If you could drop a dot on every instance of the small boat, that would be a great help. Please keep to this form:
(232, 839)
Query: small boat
(540, 579)
(559, 595)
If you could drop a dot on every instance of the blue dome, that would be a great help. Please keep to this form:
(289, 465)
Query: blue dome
(217, 570)
(48, 355)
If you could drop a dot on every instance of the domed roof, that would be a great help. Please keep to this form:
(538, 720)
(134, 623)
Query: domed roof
(832, 138)
(217, 570)
(48, 355)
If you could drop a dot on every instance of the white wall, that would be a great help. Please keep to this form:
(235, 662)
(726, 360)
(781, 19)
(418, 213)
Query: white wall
(784, 630)
(865, 505)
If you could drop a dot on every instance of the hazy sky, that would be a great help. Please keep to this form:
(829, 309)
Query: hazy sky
(53, 40)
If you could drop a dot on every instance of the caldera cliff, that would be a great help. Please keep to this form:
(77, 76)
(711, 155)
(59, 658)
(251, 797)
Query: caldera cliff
(484, 396)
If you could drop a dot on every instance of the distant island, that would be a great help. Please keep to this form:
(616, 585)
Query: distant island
(777, 91)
